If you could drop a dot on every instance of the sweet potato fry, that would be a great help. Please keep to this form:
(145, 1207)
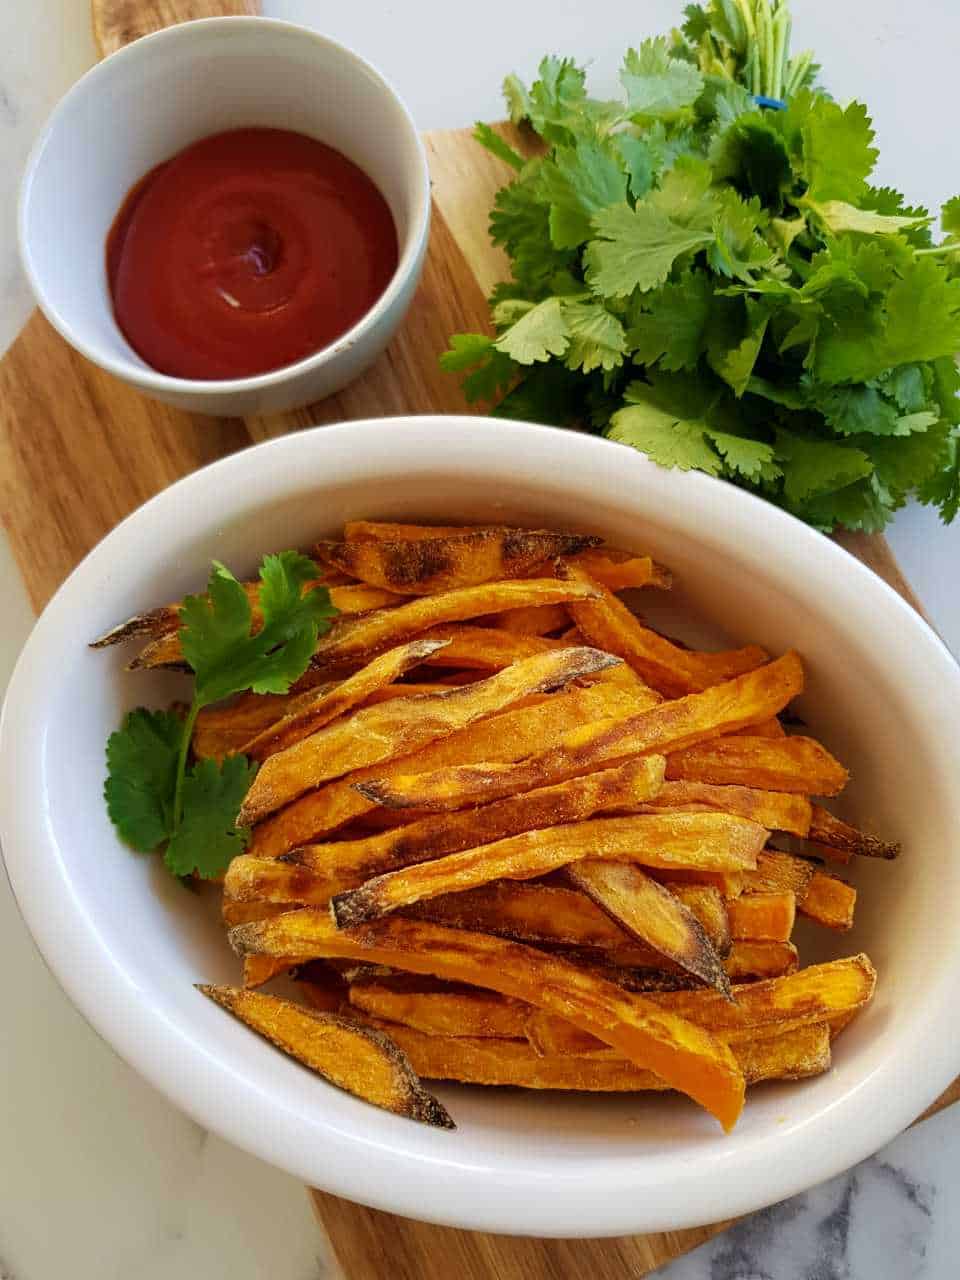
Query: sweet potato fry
(729, 884)
(779, 872)
(260, 969)
(239, 912)
(708, 905)
(748, 959)
(771, 764)
(534, 620)
(621, 570)
(827, 830)
(652, 915)
(817, 993)
(485, 648)
(775, 810)
(396, 728)
(447, 562)
(350, 862)
(771, 728)
(166, 619)
(550, 1035)
(685, 1056)
(389, 531)
(474, 1060)
(319, 708)
(668, 725)
(325, 989)
(609, 624)
(509, 736)
(829, 901)
(544, 914)
(821, 897)
(713, 841)
(440, 1008)
(357, 1058)
(222, 730)
(763, 917)
(359, 639)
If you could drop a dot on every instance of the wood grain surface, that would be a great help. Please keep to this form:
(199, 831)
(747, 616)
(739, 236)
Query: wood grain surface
(80, 450)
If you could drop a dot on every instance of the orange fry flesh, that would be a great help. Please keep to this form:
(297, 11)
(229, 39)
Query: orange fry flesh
(686, 1057)
(763, 917)
(441, 1009)
(750, 959)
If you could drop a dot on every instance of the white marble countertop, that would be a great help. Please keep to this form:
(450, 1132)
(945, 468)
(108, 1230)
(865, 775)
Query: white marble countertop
(100, 1178)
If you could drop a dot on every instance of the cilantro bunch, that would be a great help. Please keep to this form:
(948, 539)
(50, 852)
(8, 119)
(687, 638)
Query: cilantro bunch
(154, 796)
(718, 285)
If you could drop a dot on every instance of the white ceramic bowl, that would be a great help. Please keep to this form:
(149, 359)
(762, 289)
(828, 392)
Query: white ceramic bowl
(127, 942)
(155, 97)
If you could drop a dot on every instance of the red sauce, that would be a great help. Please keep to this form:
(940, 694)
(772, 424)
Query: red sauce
(246, 252)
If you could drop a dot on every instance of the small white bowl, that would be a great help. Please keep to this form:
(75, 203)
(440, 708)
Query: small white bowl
(127, 942)
(155, 97)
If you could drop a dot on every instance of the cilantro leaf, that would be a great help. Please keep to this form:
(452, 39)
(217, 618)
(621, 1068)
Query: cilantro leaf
(489, 138)
(141, 776)
(597, 338)
(216, 634)
(207, 839)
(555, 98)
(812, 467)
(838, 216)
(490, 371)
(577, 183)
(734, 358)
(950, 217)
(538, 335)
(637, 249)
(751, 459)
(549, 393)
(638, 159)
(837, 153)
(657, 84)
(671, 435)
(672, 330)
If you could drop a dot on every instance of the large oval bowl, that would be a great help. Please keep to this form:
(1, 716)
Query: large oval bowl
(127, 943)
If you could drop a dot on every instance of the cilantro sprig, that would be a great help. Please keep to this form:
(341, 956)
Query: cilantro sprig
(154, 796)
(718, 285)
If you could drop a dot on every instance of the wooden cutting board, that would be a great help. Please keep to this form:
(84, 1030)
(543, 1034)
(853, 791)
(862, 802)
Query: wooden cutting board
(79, 450)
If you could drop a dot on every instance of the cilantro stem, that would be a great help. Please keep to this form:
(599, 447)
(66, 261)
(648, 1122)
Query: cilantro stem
(188, 725)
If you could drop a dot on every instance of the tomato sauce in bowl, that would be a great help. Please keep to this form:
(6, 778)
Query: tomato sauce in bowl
(247, 251)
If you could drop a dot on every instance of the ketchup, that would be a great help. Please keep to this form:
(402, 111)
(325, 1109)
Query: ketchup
(247, 251)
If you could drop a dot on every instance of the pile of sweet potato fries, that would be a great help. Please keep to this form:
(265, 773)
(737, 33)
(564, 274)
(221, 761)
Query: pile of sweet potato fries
(505, 833)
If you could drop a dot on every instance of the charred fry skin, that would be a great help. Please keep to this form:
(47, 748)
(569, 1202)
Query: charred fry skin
(652, 915)
(420, 566)
(685, 1056)
(360, 1059)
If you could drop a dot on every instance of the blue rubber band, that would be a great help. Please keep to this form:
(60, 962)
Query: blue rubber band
(772, 104)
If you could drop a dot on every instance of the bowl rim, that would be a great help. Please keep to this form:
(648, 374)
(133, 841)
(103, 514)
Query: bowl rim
(152, 380)
(720, 1183)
